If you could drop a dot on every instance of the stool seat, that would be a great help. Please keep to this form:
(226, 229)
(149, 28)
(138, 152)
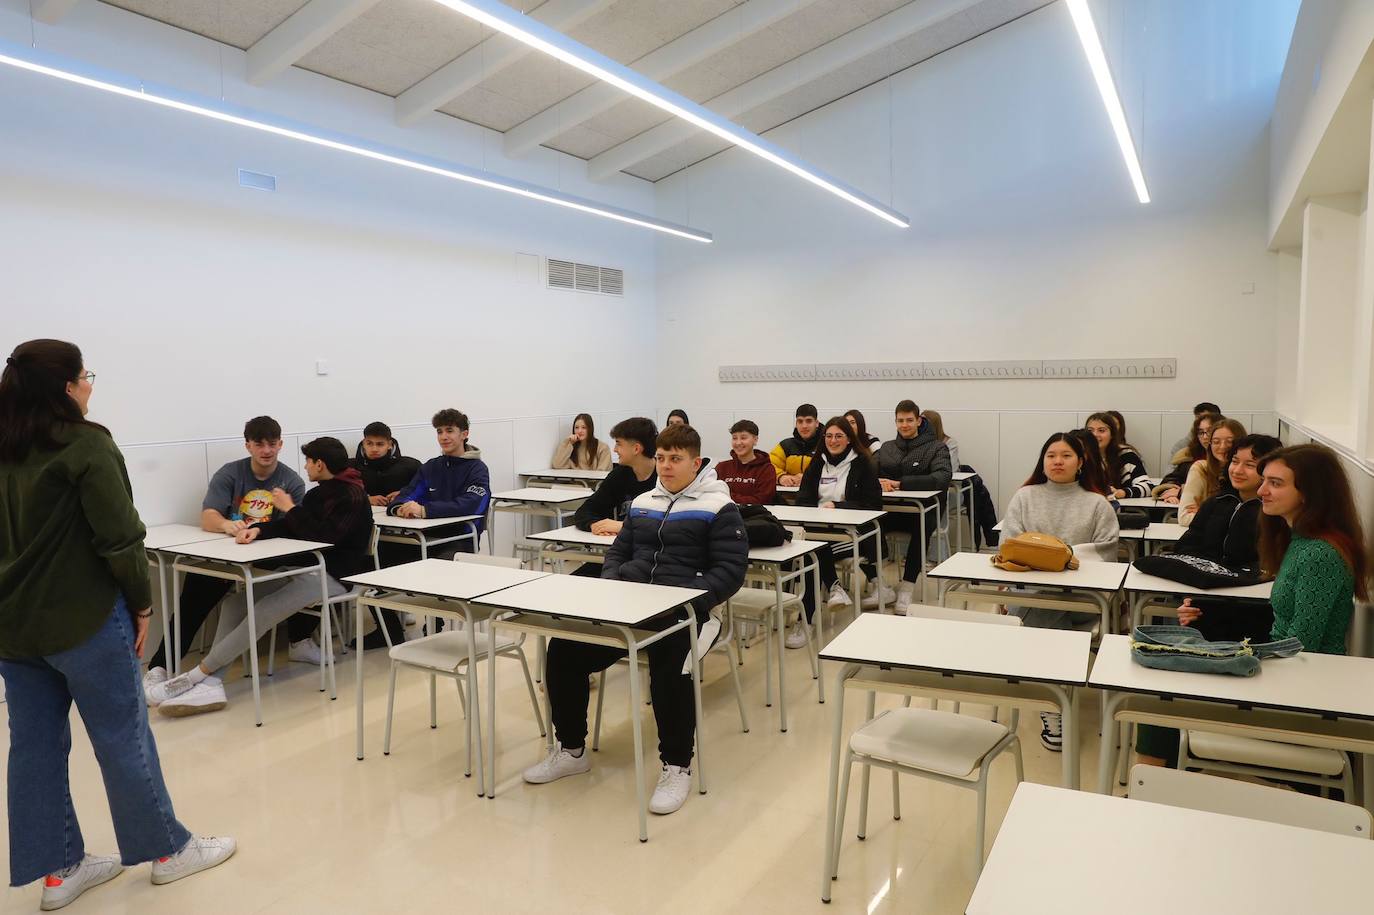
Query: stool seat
(935, 741)
(445, 651)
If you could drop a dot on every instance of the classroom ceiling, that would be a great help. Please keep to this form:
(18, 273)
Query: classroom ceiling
(759, 62)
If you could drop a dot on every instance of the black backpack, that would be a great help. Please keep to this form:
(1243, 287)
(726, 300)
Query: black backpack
(1197, 572)
(762, 527)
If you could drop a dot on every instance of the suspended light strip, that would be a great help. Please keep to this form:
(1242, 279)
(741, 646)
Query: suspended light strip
(1097, 60)
(541, 37)
(49, 65)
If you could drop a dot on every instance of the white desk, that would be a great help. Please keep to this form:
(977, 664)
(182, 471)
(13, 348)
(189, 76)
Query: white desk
(1141, 589)
(156, 541)
(1318, 700)
(417, 530)
(451, 587)
(948, 659)
(576, 476)
(600, 612)
(226, 558)
(1157, 510)
(531, 500)
(845, 520)
(972, 578)
(1251, 866)
(918, 502)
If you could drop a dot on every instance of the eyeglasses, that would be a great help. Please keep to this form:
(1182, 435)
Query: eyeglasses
(86, 376)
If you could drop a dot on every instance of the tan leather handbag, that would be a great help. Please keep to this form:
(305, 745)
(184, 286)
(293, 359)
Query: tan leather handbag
(1034, 551)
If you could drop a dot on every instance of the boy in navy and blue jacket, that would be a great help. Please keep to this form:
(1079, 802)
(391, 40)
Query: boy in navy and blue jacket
(455, 484)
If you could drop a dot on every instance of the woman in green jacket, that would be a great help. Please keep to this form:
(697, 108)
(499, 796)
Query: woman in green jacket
(1310, 536)
(74, 607)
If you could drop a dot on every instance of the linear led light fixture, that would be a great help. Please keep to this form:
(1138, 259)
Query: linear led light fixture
(1097, 61)
(51, 65)
(541, 37)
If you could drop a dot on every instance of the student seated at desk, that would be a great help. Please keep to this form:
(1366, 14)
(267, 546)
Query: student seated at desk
(841, 475)
(454, 484)
(685, 532)
(335, 511)
(915, 460)
(1065, 498)
(634, 474)
(937, 426)
(1198, 410)
(1122, 466)
(1205, 477)
(860, 426)
(748, 471)
(1171, 485)
(385, 470)
(241, 493)
(581, 450)
(791, 455)
(678, 418)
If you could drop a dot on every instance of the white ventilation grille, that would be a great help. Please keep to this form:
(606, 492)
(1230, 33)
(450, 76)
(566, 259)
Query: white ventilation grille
(584, 277)
(1010, 370)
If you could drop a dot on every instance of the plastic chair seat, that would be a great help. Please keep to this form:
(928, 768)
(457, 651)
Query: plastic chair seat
(760, 600)
(445, 651)
(1267, 753)
(941, 742)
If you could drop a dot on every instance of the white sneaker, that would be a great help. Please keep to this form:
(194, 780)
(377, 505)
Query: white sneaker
(903, 600)
(154, 677)
(169, 687)
(674, 784)
(706, 640)
(306, 651)
(205, 696)
(838, 596)
(796, 636)
(199, 854)
(558, 764)
(63, 887)
(882, 592)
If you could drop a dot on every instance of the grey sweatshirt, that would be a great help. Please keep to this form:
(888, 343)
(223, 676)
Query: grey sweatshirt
(1082, 519)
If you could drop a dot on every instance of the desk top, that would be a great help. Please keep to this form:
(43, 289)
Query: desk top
(960, 476)
(573, 535)
(826, 517)
(1137, 580)
(1163, 532)
(1104, 831)
(1146, 502)
(977, 649)
(1091, 575)
(382, 519)
(162, 536)
(595, 600)
(900, 495)
(228, 550)
(444, 578)
(537, 495)
(1310, 682)
(574, 473)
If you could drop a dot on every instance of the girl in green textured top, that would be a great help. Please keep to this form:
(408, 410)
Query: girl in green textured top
(1310, 532)
(74, 608)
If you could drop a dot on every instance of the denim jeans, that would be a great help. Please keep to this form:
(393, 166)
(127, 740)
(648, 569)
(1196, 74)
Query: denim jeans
(102, 677)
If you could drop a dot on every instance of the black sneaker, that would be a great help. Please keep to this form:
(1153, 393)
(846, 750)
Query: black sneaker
(1052, 731)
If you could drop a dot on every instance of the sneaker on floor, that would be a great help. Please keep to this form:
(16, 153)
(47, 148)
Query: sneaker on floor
(838, 596)
(63, 887)
(307, 651)
(199, 854)
(903, 601)
(374, 639)
(796, 636)
(168, 688)
(558, 764)
(883, 593)
(1052, 731)
(674, 784)
(154, 677)
(205, 696)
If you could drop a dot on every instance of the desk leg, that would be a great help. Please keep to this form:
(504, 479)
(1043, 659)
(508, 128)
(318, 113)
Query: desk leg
(833, 782)
(474, 721)
(1106, 757)
(174, 649)
(921, 572)
(253, 646)
(781, 625)
(878, 551)
(358, 671)
(1067, 697)
(166, 610)
(817, 620)
(491, 711)
(635, 713)
(696, 698)
(1104, 605)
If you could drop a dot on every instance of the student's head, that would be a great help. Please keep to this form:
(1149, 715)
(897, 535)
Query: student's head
(908, 417)
(1205, 407)
(1246, 455)
(377, 441)
(1104, 432)
(634, 437)
(324, 457)
(584, 429)
(1224, 436)
(937, 424)
(858, 424)
(744, 437)
(451, 429)
(1119, 422)
(1305, 493)
(677, 456)
(678, 418)
(837, 436)
(45, 385)
(1201, 435)
(262, 440)
(1065, 458)
(807, 420)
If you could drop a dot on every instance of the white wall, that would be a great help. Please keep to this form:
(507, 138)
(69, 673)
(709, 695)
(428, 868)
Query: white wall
(200, 304)
(1026, 240)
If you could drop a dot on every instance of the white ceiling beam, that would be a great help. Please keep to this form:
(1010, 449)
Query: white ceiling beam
(715, 36)
(486, 60)
(52, 11)
(303, 31)
(855, 45)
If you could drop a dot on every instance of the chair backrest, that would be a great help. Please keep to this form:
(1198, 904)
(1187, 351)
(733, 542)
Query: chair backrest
(505, 562)
(963, 616)
(1244, 799)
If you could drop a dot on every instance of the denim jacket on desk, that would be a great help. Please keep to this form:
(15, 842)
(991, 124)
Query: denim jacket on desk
(1183, 648)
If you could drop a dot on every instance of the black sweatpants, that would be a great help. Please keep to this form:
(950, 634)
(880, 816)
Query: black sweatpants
(199, 595)
(569, 664)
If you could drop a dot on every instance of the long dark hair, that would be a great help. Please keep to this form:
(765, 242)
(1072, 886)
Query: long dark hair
(1108, 458)
(34, 404)
(584, 452)
(1328, 512)
(860, 422)
(839, 422)
(1195, 450)
(1214, 468)
(1089, 468)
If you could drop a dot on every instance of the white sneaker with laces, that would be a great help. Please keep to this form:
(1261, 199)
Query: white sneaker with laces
(674, 784)
(154, 677)
(882, 592)
(306, 651)
(169, 687)
(796, 636)
(838, 596)
(1052, 731)
(903, 600)
(63, 887)
(558, 764)
(205, 696)
(199, 854)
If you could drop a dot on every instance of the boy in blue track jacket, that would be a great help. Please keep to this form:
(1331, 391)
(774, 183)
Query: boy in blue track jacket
(684, 532)
(454, 484)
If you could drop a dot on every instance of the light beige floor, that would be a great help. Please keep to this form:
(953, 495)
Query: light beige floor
(322, 832)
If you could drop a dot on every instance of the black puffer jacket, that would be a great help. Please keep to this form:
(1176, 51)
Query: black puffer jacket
(691, 539)
(389, 473)
(919, 462)
(1226, 530)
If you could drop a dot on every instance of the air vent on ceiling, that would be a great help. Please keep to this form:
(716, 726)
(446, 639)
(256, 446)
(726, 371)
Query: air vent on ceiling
(257, 180)
(584, 277)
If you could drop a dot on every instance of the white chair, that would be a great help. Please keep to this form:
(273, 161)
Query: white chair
(943, 746)
(1243, 799)
(932, 612)
(445, 654)
(1319, 766)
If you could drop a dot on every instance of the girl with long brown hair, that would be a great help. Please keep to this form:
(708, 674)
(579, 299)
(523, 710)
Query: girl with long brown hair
(1207, 477)
(581, 450)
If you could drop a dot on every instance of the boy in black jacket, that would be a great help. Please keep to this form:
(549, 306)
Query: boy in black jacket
(385, 471)
(914, 460)
(634, 474)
